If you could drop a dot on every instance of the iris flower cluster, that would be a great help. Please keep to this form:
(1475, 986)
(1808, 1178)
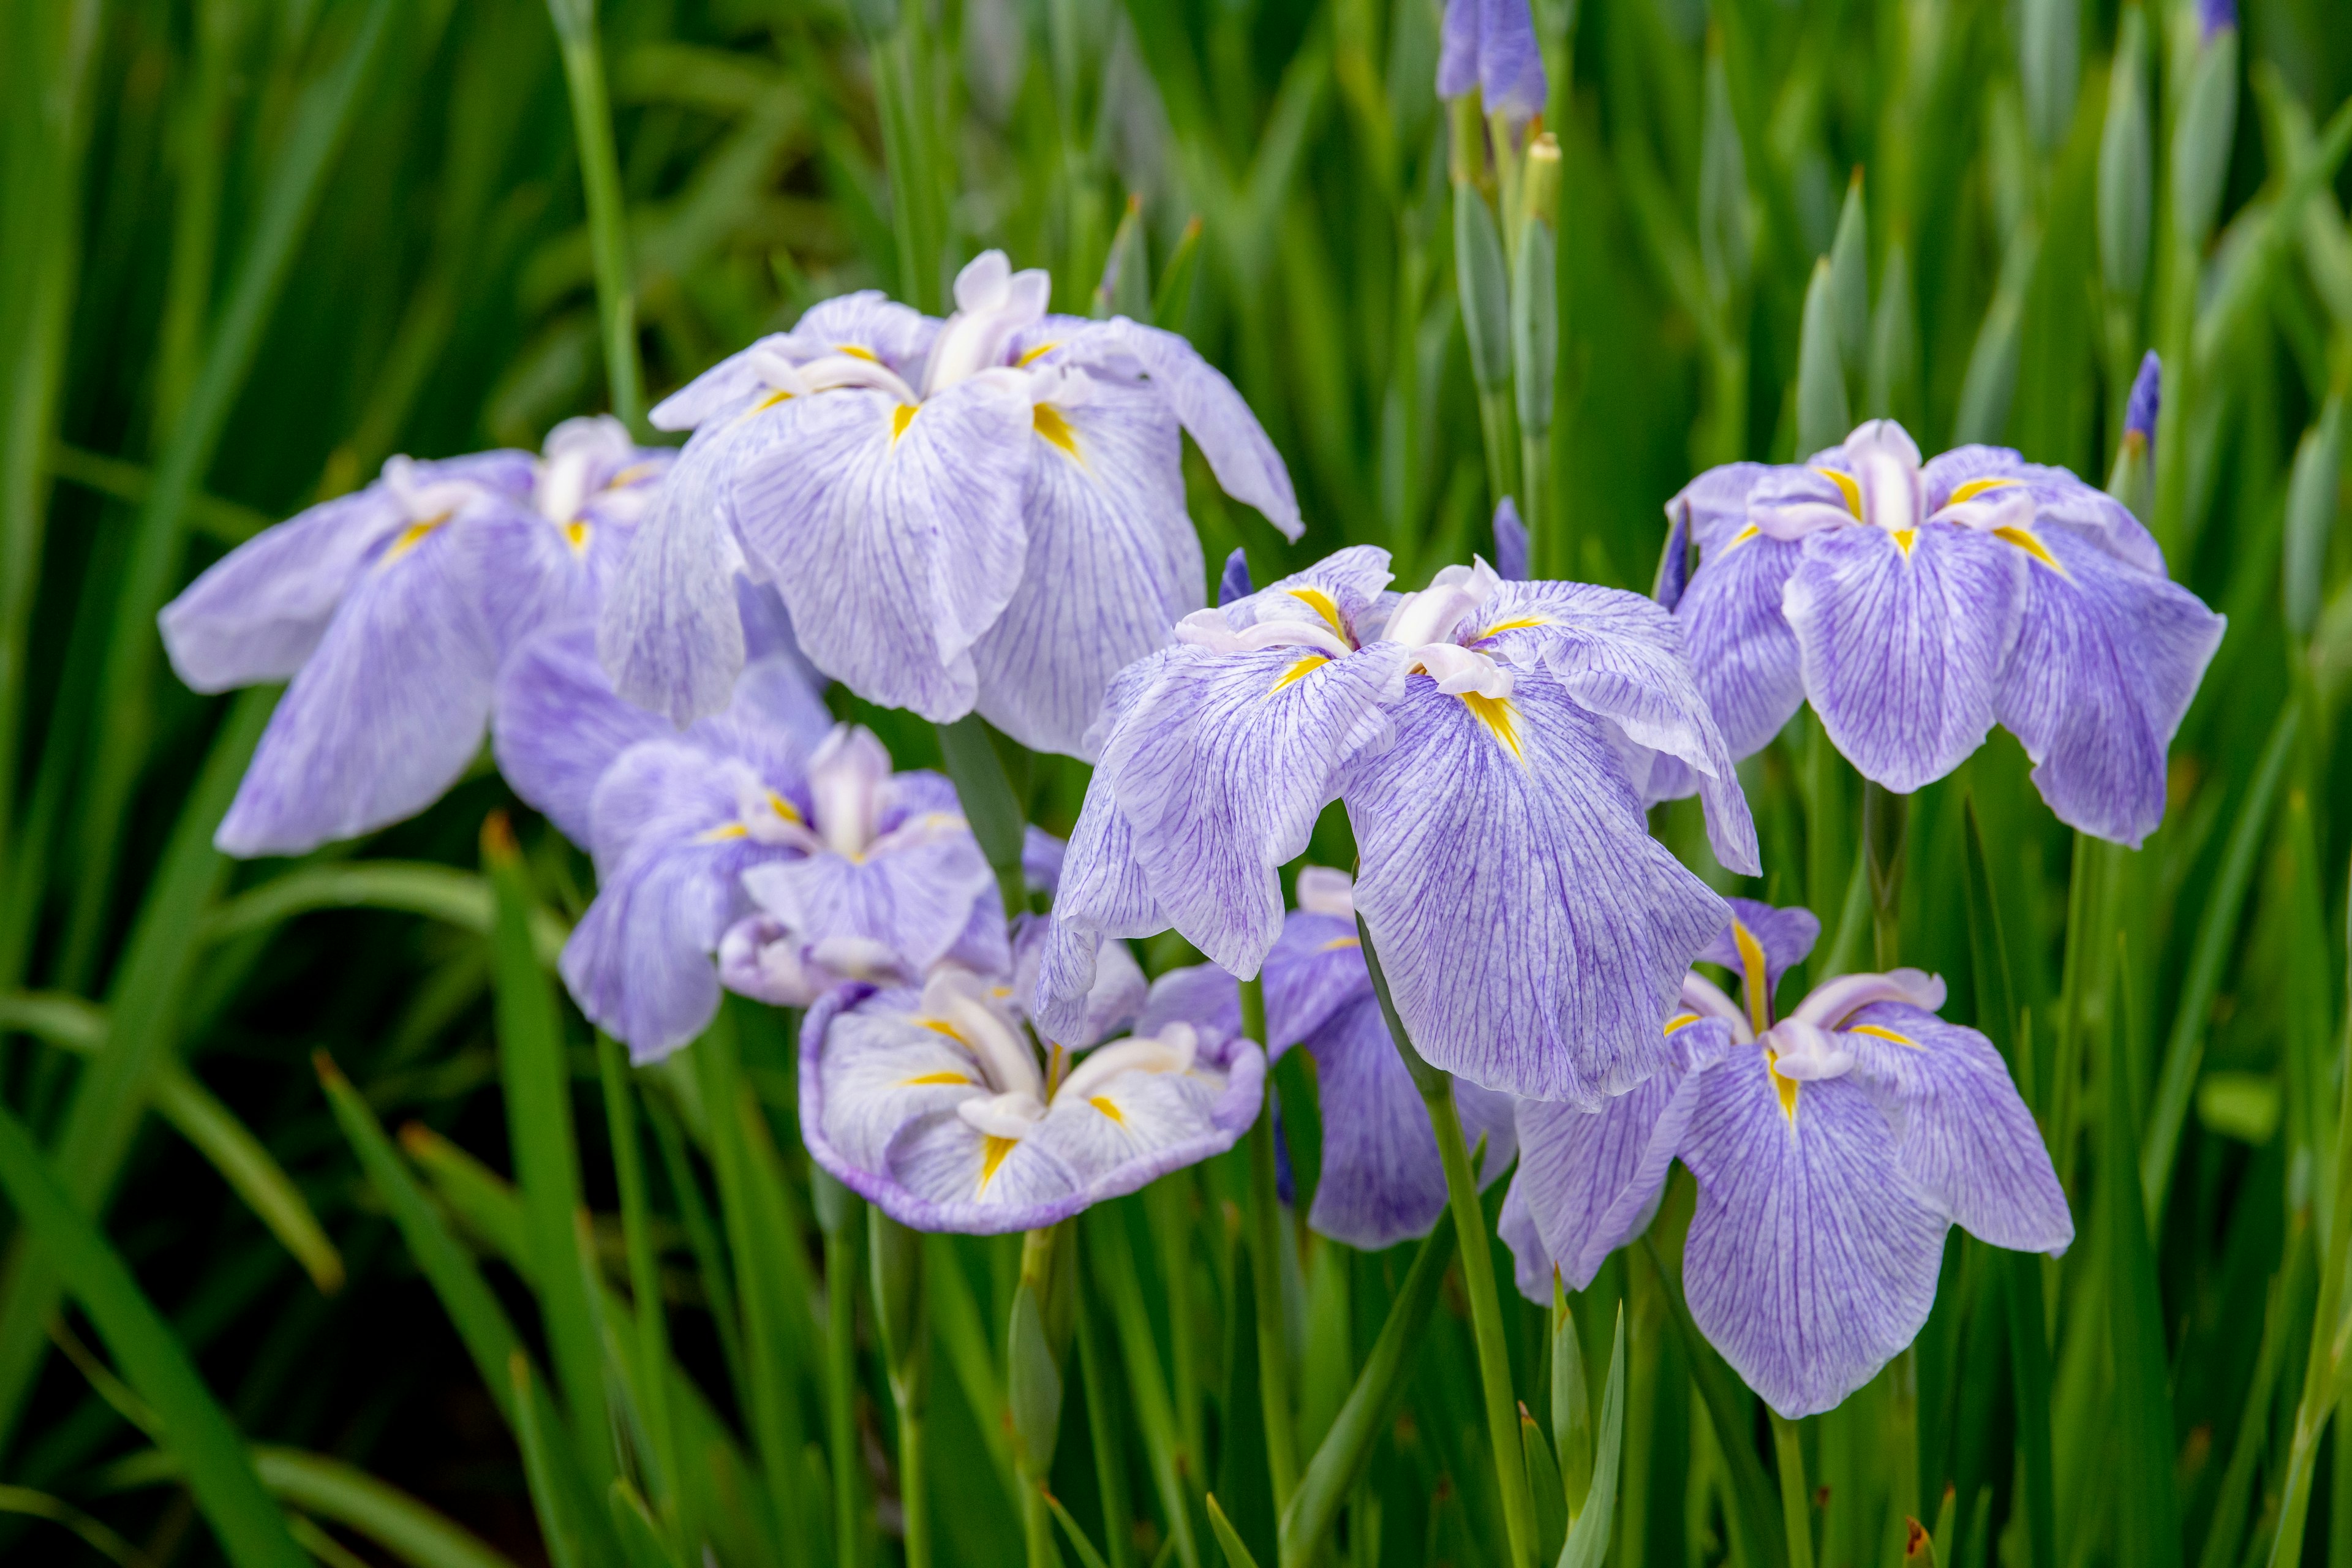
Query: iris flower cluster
(986, 514)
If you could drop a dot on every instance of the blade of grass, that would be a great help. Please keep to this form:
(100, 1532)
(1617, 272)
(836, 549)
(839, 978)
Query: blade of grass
(558, 1524)
(645, 1276)
(1236, 1554)
(600, 175)
(455, 898)
(2148, 1508)
(1588, 1538)
(1267, 1225)
(251, 1528)
(56, 1511)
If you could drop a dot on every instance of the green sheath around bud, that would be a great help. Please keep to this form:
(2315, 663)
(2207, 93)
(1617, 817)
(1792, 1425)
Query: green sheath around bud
(2125, 180)
(1486, 295)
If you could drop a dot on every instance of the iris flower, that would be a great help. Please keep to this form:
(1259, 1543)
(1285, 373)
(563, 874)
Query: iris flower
(1490, 44)
(985, 512)
(1914, 606)
(933, 1102)
(390, 611)
(1832, 1150)
(1492, 741)
(764, 836)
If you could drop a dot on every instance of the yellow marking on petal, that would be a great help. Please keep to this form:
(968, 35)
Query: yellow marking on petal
(2025, 540)
(1050, 424)
(1102, 1102)
(1038, 352)
(779, 396)
(1758, 991)
(1976, 487)
(1681, 1021)
(784, 807)
(411, 537)
(941, 1026)
(633, 473)
(1497, 714)
(575, 533)
(1884, 1035)
(900, 418)
(1847, 488)
(853, 352)
(1785, 1087)
(1298, 671)
(1337, 943)
(1520, 624)
(1906, 538)
(1316, 600)
(1742, 537)
(993, 1151)
(722, 833)
(926, 1079)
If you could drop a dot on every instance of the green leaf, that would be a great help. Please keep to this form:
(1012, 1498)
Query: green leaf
(444, 893)
(1754, 1511)
(1079, 1542)
(252, 1529)
(1172, 301)
(641, 1539)
(1823, 418)
(1543, 1479)
(1588, 1538)
(56, 1511)
(1236, 1554)
(2147, 1511)
(558, 1522)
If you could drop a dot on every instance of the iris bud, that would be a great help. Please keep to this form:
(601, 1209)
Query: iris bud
(1486, 295)
(2311, 514)
(1824, 417)
(2049, 63)
(1850, 280)
(1571, 1403)
(2124, 176)
(2202, 137)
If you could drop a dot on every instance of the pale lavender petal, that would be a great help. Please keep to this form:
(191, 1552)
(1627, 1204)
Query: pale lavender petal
(385, 714)
(1531, 1266)
(1234, 583)
(1315, 968)
(1113, 564)
(2057, 498)
(1589, 1181)
(1787, 936)
(1352, 581)
(898, 336)
(1042, 855)
(1237, 447)
(2106, 660)
(670, 636)
(1103, 892)
(1511, 543)
(726, 388)
(1740, 644)
(1811, 1257)
(915, 893)
(1903, 649)
(558, 726)
(1713, 508)
(1961, 1129)
(1532, 932)
(256, 614)
(1113, 1003)
(1201, 994)
(1221, 767)
(523, 570)
(896, 539)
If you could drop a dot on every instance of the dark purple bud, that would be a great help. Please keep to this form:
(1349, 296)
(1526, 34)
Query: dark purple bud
(2212, 15)
(1235, 583)
(1674, 562)
(2147, 394)
(1510, 542)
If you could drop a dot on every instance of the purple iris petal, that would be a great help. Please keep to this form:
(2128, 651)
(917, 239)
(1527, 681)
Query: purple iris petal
(912, 892)
(1511, 543)
(1491, 45)
(1741, 650)
(1040, 860)
(2147, 387)
(1903, 644)
(2212, 15)
(1532, 932)
(1234, 583)
(1784, 936)
(1589, 1181)
(2107, 659)
(1812, 1257)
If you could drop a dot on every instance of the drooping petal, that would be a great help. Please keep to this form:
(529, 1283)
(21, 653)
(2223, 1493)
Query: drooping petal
(1511, 543)
(1812, 1256)
(1903, 643)
(1113, 564)
(1113, 1003)
(558, 726)
(1531, 930)
(1784, 937)
(1136, 1126)
(914, 894)
(1220, 768)
(1235, 582)
(1990, 477)
(1103, 893)
(1201, 994)
(1589, 1181)
(1343, 592)
(384, 716)
(1740, 644)
(1213, 414)
(1961, 1129)
(670, 636)
(2106, 660)
(894, 532)
(899, 337)
(1315, 968)
(1712, 506)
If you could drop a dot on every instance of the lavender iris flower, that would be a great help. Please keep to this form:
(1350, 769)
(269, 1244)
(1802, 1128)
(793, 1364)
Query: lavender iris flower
(985, 512)
(1492, 741)
(1914, 606)
(932, 1103)
(1832, 1150)
(763, 835)
(1490, 44)
(391, 612)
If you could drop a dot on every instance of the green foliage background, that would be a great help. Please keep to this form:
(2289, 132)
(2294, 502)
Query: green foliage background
(249, 249)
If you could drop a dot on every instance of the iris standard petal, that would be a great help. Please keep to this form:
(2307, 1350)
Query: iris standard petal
(1784, 937)
(1104, 893)
(384, 716)
(894, 532)
(1961, 1129)
(670, 636)
(1491, 45)
(1742, 652)
(2106, 660)
(1113, 564)
(1988, 474)
(1220, 769)
(1114, 1002)
(1811, 1257)
(1315, 968)
(1233, 582)
(1532, 932)
(1714, 506)
(1589, 1181)
(915, 898)
(1903, 641)
(1239, 452)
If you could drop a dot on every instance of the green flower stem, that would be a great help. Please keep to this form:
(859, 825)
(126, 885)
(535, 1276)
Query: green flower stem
(1885, 821)
(841, 1365)
(1796, 1506)
(1265, 1243)
(600, 175)
(895, 1259)
(1478, 1271)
